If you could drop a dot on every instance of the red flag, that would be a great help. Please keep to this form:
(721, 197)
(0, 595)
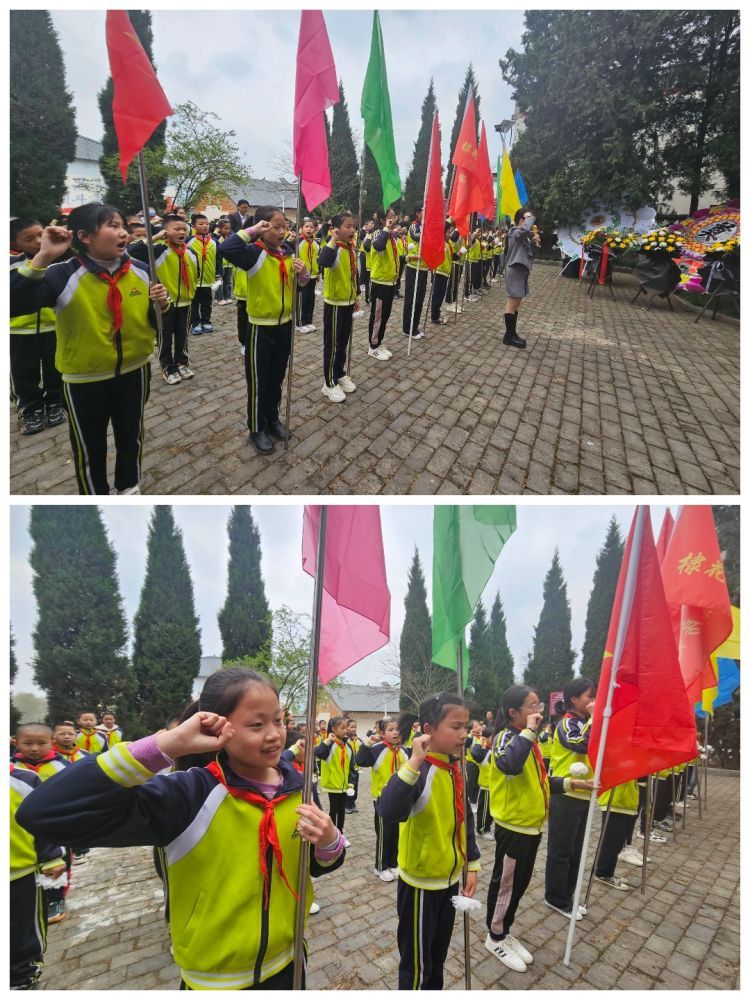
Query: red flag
(139, 104)
(665, 533)
(696, 589)
(652, 725)
(433, 217)
(484, 177)
(356, 606)
(466, 196)
(316, 88)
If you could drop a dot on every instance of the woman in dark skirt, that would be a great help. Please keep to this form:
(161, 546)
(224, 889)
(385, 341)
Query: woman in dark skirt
(519, 257)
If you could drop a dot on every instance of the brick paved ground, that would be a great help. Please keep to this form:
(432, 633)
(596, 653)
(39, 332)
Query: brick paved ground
(684, 934)
(608, 398)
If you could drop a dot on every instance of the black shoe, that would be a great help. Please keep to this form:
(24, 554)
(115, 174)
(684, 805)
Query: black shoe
(278, 430)
(511, 340)
(54, 414)
(31, 421)
(261, 442)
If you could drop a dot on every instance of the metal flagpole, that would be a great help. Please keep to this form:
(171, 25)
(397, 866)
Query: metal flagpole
(294, 315)
(622, 626)
(674, 807)
(650, 806)
(464, 874)
(684, 795)
(599, 846)
(705, 766)
(698, 783)
(419, 258)
(149, 237)
(307, 774)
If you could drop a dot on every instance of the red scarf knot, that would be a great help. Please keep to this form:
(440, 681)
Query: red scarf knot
(352, 260)
(280, 257)
(35, 767)
(204, 241)
(267, 835)
(180, 249)
(114, 295)
(458, 791)
(340, 743)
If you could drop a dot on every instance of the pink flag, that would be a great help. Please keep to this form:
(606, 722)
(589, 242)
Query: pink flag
(356, 609)
(316, 89)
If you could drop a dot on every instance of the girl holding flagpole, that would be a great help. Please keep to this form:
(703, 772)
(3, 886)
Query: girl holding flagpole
(230, 818)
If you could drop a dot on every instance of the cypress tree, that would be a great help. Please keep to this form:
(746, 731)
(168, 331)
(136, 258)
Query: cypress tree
(80, 633)
(372, 189)
(42, 117)
(414, 186)
(166, 637)
(501, 675)
(480, 661)
(128, 196)
(245, 619)
(343, 158)
(601, 600)
(415, 647)
(15, 715)
(469, 81)
(551, 663)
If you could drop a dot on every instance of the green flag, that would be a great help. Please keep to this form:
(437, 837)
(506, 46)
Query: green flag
(376, 112)
(467, 540)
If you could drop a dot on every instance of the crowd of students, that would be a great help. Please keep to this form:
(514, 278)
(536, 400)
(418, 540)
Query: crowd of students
(87, 315)
(229, 772)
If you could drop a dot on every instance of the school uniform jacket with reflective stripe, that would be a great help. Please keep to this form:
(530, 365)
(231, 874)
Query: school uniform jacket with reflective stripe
(335, 777)
(88, 350)
(571, 746)
(340, 284)
(429, 855)
(380, 761)
(169, 271)
(224, 936)
(269, 300)
(45, 770)
(40, 321)
(27, 853)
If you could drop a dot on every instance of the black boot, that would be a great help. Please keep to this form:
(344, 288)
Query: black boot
(261, 442)
(511, 338)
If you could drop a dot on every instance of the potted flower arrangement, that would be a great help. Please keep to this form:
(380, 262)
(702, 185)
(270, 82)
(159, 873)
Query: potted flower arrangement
(661, 243)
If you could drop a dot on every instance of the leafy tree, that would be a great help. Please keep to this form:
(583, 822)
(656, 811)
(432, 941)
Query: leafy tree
(42, 117)
(601, 600)
(372, 189)
(469, 81)
(415, 182)
(15, 715)
(594, 138)
(343, 161)
(166, 637)
(551, 663)
(201, 160)
(245, 619)
(702, 92)
(480, 661)
(29, 707)
(502, 675)
(80, 633)
(128, 196)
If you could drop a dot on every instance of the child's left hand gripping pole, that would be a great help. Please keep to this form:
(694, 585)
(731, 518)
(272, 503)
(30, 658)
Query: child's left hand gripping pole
(307, 774)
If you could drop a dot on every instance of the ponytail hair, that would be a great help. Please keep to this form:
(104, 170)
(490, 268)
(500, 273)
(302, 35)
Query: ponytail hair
(334, 721)
(221, 694)
(575, 688)
(382, 724)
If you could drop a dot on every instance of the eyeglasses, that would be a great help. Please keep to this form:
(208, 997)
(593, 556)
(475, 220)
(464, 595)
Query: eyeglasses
(538, 707)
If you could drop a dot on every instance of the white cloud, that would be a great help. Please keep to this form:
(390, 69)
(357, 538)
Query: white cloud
(577, 530)
(241, 65)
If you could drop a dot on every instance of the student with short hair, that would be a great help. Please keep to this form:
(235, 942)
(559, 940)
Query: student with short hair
(340, 291)
(203, 246)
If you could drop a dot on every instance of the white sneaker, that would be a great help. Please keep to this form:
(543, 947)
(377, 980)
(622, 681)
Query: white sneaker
(582, 911)
(318, 293)
(171, 378)
(346, 383)
(656, 838)
(314, 907)
(395, 872)
(565, 913)
(614, 882)
(311, 328)
(632, 857)
(417, 335)
(487, 836)
(242, 351)
(358, 314)
(515, 945)
(346, 843)
(385, 352)
(131, 491)
(185, 372)
(375, 352)
(300, 329)
(334, 393)
(500, 950)
(386, 875)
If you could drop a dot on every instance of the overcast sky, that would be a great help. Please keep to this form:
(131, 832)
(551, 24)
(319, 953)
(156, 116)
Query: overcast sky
(578, 532)
(240, 65)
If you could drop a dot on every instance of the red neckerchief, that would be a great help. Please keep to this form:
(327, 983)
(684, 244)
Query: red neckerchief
(543, 780)
(458, 788)
(309, 240)
(394, 755)
(35, 767)
(280, 257)
(114, 295)
(180, 249)
(204, 241)
(341, 744)
(88, 736)
(70, 754)
(352, 260)
(267, 834)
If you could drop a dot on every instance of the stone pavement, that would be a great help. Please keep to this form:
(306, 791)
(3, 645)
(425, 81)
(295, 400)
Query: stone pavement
(684, 934)
(607, 398)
